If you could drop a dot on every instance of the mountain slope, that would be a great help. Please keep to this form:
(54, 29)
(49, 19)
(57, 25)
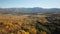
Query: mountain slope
(27, 10)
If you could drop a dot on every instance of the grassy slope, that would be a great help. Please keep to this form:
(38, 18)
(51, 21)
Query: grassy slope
(24, 24)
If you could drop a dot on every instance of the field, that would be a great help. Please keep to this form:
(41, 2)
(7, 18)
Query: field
(29, 24)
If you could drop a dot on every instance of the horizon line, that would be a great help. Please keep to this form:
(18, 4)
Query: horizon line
(29, 7)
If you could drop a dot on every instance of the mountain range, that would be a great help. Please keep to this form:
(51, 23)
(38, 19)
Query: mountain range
(28, 10)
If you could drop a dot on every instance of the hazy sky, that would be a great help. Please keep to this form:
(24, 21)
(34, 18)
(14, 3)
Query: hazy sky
(30, 3)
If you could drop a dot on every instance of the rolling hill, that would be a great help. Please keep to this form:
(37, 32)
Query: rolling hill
(28, 10)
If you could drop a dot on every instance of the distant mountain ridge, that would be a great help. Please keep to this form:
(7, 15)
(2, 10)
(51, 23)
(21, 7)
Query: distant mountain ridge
(28, 10)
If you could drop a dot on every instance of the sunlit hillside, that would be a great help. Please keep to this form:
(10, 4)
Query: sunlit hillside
(28, 24)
